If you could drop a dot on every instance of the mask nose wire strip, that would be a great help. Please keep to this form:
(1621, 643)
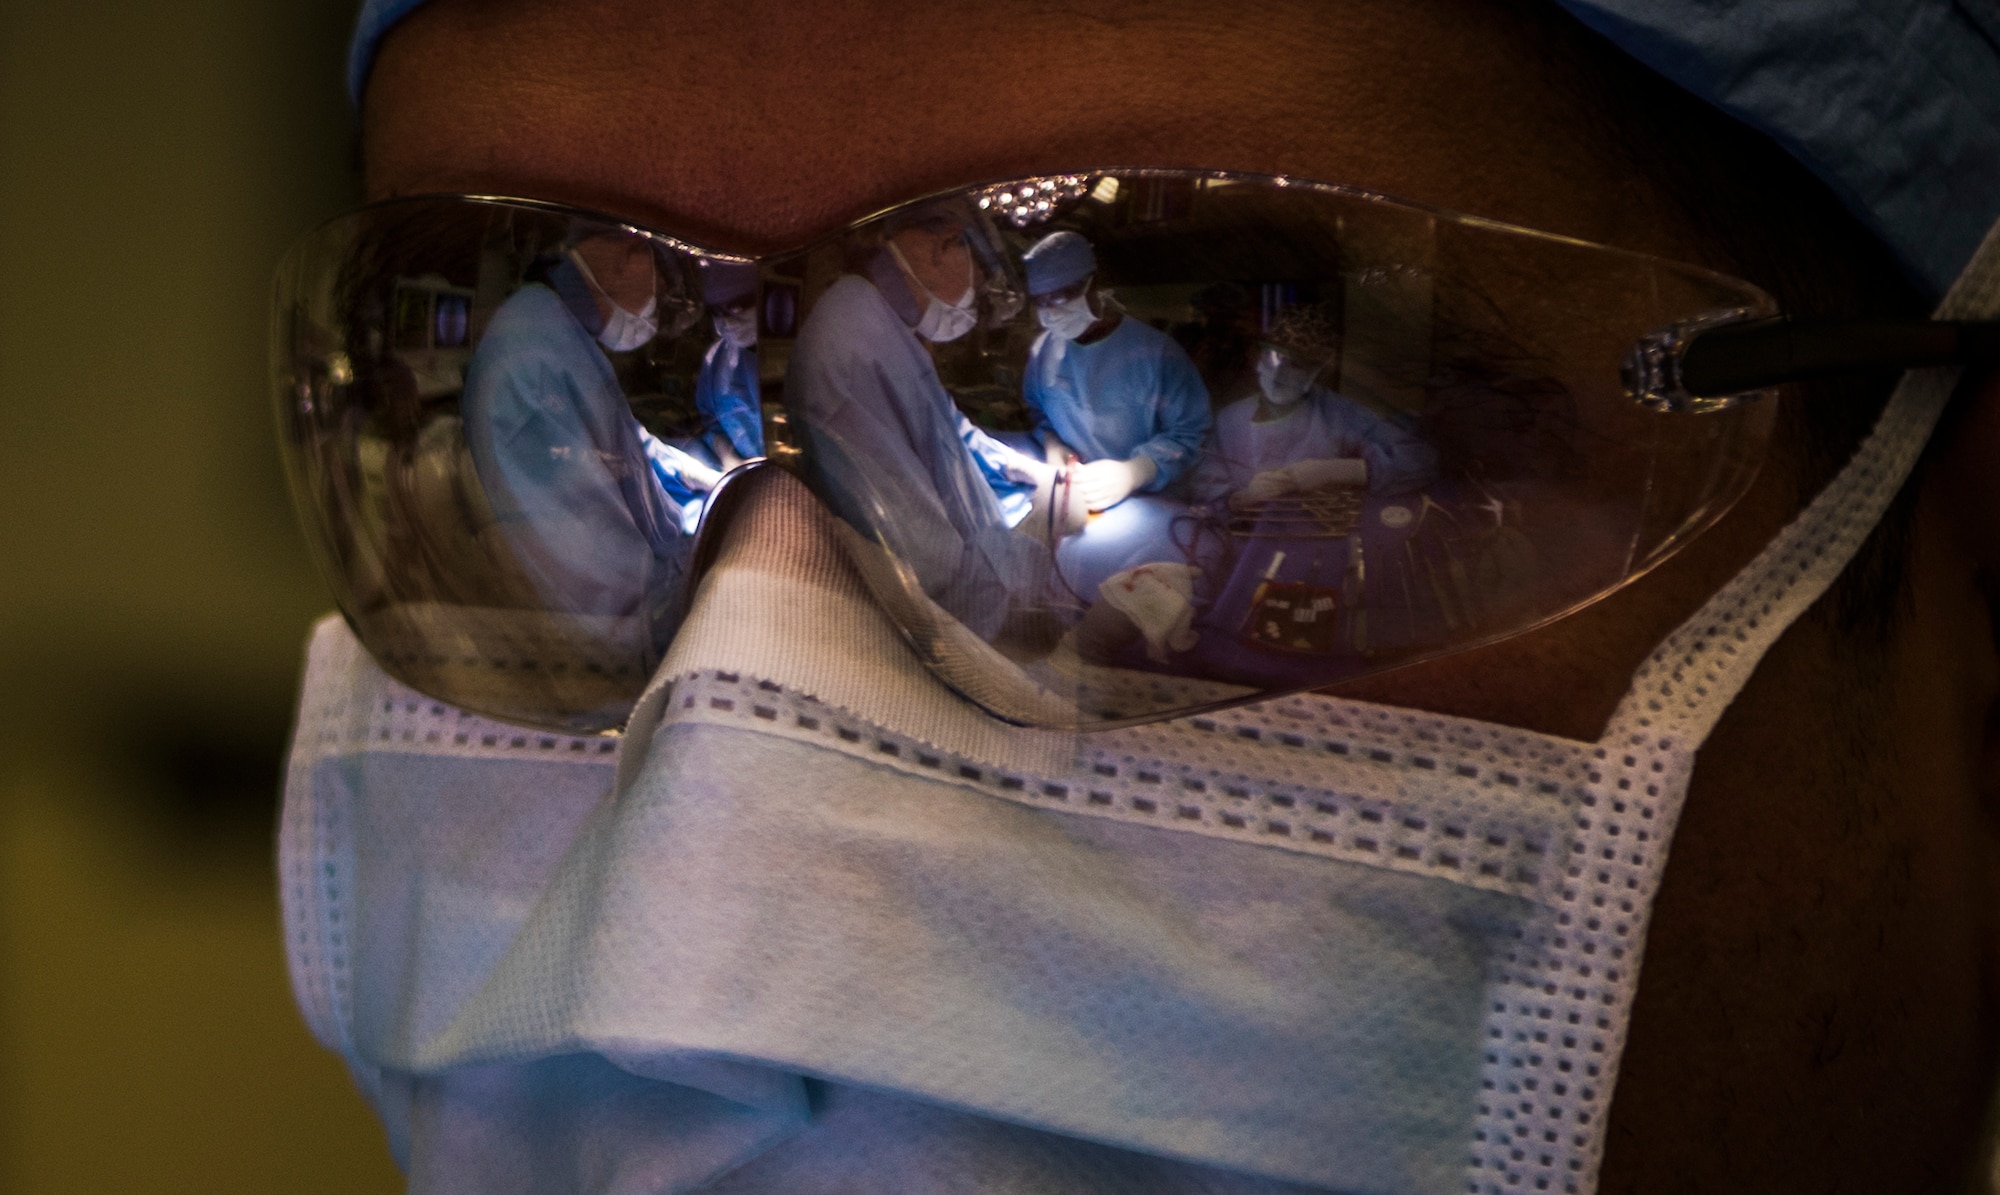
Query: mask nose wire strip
(1682, 689)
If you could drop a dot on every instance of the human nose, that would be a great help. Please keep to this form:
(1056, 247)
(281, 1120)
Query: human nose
(764, 570)
(777, 590)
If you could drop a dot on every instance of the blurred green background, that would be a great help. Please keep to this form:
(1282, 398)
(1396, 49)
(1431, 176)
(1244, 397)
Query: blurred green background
(155, 159)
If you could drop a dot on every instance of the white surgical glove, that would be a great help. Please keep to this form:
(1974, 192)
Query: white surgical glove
(1104, 484)
(1024, 468)
(1301, 475)
(700, 476)
(1269, 484)
(1058, 508)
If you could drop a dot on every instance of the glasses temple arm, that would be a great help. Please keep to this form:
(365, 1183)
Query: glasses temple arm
(1751, 355)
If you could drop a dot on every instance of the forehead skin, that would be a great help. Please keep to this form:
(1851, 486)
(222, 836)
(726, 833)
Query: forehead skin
(1817, 944)
(746, 123)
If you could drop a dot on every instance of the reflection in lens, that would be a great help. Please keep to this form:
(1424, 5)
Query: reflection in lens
(726, 391)
(505, 486)
(1241, 438)
(895, 456)
(1133, 445)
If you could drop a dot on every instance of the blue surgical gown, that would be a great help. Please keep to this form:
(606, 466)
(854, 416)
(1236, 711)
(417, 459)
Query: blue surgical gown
(1321, 426)
(1133, 393)
(899, 459)
(569, 473)
(727, 395)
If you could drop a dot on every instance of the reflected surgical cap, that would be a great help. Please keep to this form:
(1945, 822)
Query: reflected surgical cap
(1058, 260)
(1894, 103)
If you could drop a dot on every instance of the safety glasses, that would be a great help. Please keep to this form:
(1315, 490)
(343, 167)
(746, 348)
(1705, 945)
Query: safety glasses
(1107, 448)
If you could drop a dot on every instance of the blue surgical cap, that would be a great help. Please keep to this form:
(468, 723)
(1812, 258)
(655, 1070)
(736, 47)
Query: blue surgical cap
(1894, 103)
(375, 19)
(1059, 259)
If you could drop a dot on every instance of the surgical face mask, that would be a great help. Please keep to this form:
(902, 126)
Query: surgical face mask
(738, 327)
(624, 329)
(1283, 380)
(941, 322)
(1068, 318)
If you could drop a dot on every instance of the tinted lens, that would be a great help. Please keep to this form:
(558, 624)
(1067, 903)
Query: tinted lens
(1311, 435)
(501, 423)
(1269, 437)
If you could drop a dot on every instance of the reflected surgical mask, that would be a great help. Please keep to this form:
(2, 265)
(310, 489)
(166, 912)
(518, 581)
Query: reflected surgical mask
(1068, 319)
(1282, 380)
(624, 329)
(1311, 941)
(945, 322)
(941, 322)
(739, 328)
(1570, 416)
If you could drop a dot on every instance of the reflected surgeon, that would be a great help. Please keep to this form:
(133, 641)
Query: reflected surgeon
(726, 391)
(589, 505)
(1296, 435)
(908, 469)
(1113, 393)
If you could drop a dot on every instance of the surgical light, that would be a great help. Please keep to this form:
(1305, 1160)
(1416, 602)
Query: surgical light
(1035, 200)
